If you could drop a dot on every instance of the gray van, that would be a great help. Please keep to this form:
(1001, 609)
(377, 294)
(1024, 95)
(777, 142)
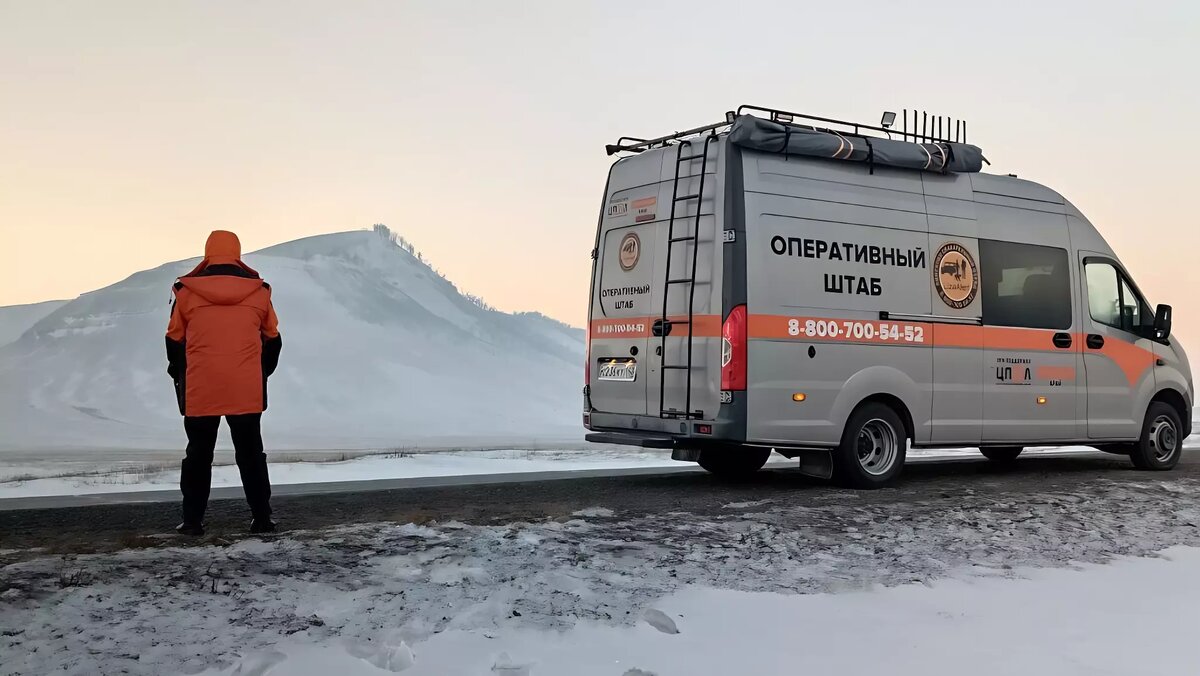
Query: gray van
(838, 292)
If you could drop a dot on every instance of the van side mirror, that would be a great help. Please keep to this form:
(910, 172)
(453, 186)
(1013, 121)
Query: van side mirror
(1162, 321)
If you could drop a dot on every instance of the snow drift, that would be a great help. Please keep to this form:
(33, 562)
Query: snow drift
(16, 319)
(379, 351)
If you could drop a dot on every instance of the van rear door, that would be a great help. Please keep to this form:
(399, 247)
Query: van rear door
(621, 308)
(687, 284)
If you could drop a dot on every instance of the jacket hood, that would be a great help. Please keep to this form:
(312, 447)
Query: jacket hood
(222, 248)
(222, 289)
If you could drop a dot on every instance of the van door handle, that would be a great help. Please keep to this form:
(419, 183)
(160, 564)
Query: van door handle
(1095, 341)
(661, 328)
(1062, 340)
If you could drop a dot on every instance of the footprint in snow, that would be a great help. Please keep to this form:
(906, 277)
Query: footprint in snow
(386, 655)
(258, 664)
(396, 659)
(505, 666)
(660, 621)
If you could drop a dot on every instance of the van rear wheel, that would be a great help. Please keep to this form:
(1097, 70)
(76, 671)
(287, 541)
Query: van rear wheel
(733, 462)
(1001, 453)
(871, 454)
(1161, 443)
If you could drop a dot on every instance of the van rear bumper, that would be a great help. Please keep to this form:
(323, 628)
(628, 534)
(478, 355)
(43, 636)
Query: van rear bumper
(654, 432)
(624, 439)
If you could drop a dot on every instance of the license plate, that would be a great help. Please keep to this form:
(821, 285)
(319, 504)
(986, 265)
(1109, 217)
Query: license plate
(623, 370)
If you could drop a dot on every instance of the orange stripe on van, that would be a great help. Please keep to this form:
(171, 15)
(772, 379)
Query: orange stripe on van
(827, 330)
(704, 326)
(1131, 359)
(1055, 372)
(632, 327)
(957, 335)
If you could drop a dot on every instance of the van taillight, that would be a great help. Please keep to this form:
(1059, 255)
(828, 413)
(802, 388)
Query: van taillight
(733, 350)
(587, 361)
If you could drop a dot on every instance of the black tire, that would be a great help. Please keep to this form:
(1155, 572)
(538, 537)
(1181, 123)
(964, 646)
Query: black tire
(733, 462)
(1001, 453)
(1161, 443)
(860, 461)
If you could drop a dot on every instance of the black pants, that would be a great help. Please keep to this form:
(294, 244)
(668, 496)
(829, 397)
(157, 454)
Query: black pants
(196, 478)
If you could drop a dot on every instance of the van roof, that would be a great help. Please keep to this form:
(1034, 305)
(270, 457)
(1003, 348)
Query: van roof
(937, 129)
(941, 148)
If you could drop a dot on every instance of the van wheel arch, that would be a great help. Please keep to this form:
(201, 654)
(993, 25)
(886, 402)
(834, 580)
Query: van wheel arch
(1176, 401)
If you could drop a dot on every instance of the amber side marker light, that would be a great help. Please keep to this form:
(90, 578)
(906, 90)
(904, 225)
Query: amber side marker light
(799, 396)
(1041, 400)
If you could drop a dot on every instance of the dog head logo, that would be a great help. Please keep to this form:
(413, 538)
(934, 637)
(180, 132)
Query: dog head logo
(630, 252)
(955, 275)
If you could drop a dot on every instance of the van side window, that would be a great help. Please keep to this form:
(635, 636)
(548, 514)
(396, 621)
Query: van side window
(1112, 300)
(1024, 285)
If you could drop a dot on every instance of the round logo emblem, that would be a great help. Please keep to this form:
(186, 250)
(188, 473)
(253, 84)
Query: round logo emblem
(631, 251)
(955, 275)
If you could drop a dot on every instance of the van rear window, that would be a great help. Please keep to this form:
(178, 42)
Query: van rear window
(1024, 285)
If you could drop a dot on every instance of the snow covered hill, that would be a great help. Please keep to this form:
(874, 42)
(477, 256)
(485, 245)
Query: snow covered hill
(379, 351)
(16, 319)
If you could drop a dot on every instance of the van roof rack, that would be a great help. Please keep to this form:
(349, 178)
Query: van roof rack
(637, 145)
(924, 128)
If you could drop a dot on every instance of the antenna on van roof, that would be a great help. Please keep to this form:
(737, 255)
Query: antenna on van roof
(922, 128)
(937, 129)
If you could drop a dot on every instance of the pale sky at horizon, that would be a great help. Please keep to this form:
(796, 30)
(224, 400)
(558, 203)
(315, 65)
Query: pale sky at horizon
(129, 130)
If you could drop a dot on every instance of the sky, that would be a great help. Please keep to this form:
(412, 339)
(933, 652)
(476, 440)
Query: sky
(129, 130)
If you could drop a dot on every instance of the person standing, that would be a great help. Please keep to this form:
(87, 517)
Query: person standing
(222, 344)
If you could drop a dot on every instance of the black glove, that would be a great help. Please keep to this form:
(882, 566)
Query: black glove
(176, 359)
(270, 354)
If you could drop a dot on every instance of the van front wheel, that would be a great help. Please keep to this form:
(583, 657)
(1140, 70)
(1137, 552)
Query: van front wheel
(1161, 443)
(733, 462)
(872, 450)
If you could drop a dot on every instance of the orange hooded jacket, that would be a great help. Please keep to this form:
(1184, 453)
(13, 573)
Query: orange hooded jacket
(223, 338)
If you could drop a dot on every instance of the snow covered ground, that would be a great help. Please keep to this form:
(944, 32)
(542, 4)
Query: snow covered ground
(25, 479)
(1045, 622)
(980, 582)
(22, 480)
(34, 479)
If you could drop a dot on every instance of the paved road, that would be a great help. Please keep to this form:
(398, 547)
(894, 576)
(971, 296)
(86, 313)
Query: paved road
(105, 527)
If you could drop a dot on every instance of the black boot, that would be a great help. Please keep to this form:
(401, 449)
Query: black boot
(262, 525)
(194, 529)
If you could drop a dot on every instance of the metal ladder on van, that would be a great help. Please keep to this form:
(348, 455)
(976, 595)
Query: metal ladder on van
(663, 326)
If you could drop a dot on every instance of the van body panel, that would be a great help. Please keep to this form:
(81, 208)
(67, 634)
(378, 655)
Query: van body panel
(704, 298)
(1119, 363)
(624, 331)
(1011, 186)
(628, 293)
(1084, 236)
(1174, 374)
(956, 392)
(826, 256)
(1030, 382)
(963, 296)
(1120, 384)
